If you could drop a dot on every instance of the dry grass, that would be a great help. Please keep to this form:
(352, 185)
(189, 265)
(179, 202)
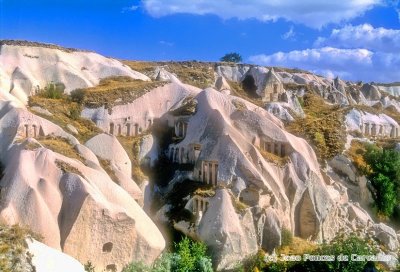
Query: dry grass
(32, 146)
(13, 248)
(131, 145)
(116, 91)
(206, 191)
(144, 67)
(67, 168)
(199, 74)
(43, 45)
(189, 106)
(323, 126)
(298, 247)
(238, 205)
(105, 164)
(270, 157)
(61, 146)
(61, 110)
(356, 154)
(239, 105)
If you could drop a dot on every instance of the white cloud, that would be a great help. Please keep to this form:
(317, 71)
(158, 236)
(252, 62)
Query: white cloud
(351, 64)
(314, 13)
(290, 35)
(131, 8)
(166, 43)
(363, 36)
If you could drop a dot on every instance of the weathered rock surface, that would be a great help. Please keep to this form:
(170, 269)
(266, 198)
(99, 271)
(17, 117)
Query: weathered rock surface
(25, 69)
(77, 208)
(107, 147)
(47, 259)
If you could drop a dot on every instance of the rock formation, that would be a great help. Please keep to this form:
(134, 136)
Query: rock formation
(239, 176)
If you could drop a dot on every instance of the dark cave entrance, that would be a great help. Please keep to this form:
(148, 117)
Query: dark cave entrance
(249, 86)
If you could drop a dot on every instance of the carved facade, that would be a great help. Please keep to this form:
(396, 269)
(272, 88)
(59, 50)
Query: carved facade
(183, 155)
(181, 126)
(199, 204)
(277, 148)
(125, 127)
(209, 172)
(273, 87)
(379, 130)
(30, 130)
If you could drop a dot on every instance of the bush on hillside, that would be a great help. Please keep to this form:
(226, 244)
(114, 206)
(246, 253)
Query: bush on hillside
(189, 256)
(78, 96)
(53, 91)
(384, 173)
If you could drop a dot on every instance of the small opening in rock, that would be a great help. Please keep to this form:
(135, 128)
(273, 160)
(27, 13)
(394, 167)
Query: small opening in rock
(107, 247)
(249, 86)
(111, 268)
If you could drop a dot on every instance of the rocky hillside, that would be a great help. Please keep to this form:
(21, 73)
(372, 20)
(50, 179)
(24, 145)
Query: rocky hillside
(105, 159)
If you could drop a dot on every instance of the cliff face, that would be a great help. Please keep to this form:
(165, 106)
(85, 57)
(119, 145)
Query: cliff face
(216, 163)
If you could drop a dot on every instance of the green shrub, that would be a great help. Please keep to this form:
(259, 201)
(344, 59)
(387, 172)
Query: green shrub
(53, 91)
(384, 173)
(78, 96)
(192, 256)
(89, 267)
(189, 256)
(75, 113)
(287, 237)
(137, 267)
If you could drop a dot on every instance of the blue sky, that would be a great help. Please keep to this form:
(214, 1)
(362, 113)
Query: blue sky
(355, 39)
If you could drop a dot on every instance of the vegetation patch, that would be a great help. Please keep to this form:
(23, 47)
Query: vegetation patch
(65, 112)
(43, 45)
(117, 90)
(32, 146)
(239, 105)
(199, 74)
(205, 191)
(237, 90)
(188, 255)
(106, 165)
(52, 91)
(67, 168)
(238, 205)
(188, 107)
(61, 146)
(14, 255)
(323, 126)
(383, 171)
(144, 67)
(381, 165)
(131, 145)
(356, 154)
(342, 245)
(272, 158)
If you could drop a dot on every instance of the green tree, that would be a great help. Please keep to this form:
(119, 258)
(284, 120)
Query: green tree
(384, 173)
(232, 57)
(189, 256)
(192, 256)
